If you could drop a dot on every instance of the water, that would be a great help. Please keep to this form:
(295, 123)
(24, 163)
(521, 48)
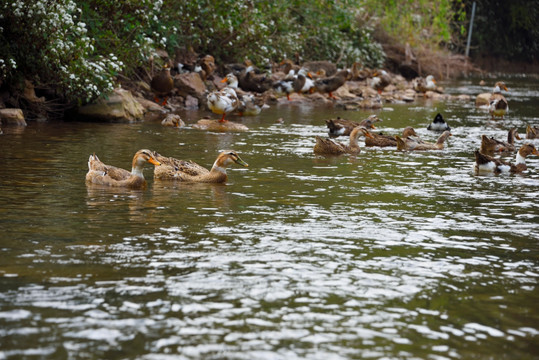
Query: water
(386, 255)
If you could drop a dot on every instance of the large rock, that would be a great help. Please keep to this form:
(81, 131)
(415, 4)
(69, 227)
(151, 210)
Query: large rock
(190, 84)
(12, 117)
(482, 99)
(121, 106)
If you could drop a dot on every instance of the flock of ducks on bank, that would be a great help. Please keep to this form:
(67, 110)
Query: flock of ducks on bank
(300, 80)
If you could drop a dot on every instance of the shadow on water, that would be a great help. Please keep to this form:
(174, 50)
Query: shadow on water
(385, 254)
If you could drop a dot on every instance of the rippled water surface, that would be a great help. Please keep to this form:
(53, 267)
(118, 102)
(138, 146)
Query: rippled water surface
(385, 255)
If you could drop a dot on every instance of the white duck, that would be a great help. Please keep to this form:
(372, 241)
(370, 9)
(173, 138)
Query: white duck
(223, 102)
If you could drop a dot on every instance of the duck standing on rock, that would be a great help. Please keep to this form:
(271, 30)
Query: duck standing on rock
(162, 84)
(498, 105)
(380, 81)
(223, 102)
(423, 85)
(101, 174)
(189, 171)
(330, 147)
(328, 85)
(438, 124)
(485, 164)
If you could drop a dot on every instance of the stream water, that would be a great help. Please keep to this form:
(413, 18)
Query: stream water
(386, 255)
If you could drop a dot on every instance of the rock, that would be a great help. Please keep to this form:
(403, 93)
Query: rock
(191, 103)
(344, 93)
(149, 105)
(12, 117)
(190, 84)
(216, 125)
(121, 106)
(482, 99)
(463, 97)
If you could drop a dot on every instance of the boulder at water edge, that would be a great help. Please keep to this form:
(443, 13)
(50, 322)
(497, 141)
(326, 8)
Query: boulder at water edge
(121, 106)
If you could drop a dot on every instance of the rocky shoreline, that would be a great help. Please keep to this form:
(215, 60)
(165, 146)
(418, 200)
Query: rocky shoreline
(132, 101)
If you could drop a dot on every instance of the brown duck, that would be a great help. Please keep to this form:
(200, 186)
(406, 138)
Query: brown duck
(343, 127)
(328, 85)
(411, 145)
(498, 105)
(330, 147)
(387, 140)
(487, 164)
(101, 174)
(532, 132)
(189, 171)
(162, 84)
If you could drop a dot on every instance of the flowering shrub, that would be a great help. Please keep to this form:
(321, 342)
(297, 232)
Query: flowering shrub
(77, 48)
(47, 42)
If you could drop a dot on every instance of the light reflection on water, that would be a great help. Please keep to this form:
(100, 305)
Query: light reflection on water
(387, 254)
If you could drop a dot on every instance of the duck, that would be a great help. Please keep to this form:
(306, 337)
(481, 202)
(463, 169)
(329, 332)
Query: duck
(343, 127)
(359, 72)
(285, 86)
(223, 102)
(423, 85)
(329, 84)
(249, 104)
(162, 84)
(498, 105)
(101, 174)
(489, 165)
(173, 120)
(327, 67)
(189, 171)
(508, 145)
(304, 82)
(421, 145)
(249, 80)
(330, 147)
(386, 140)
(380, 80)
(532, 132)
(438, 124)
(488, 145)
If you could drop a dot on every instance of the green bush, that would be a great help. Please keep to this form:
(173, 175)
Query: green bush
(77, 48)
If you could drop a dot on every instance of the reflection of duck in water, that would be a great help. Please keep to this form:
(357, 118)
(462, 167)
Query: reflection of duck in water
(489, 165)
(101, 174)
(189, 171)
(330, 147)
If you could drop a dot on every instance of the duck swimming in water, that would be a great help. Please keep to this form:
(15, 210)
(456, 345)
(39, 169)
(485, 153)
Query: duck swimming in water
(101, 174)
(485, 164)
(330, 147)
(189, 171)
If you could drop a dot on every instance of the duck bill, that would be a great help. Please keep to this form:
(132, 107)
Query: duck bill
(153, 161)
(368, 134)
(224, 80)
(239, 161)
